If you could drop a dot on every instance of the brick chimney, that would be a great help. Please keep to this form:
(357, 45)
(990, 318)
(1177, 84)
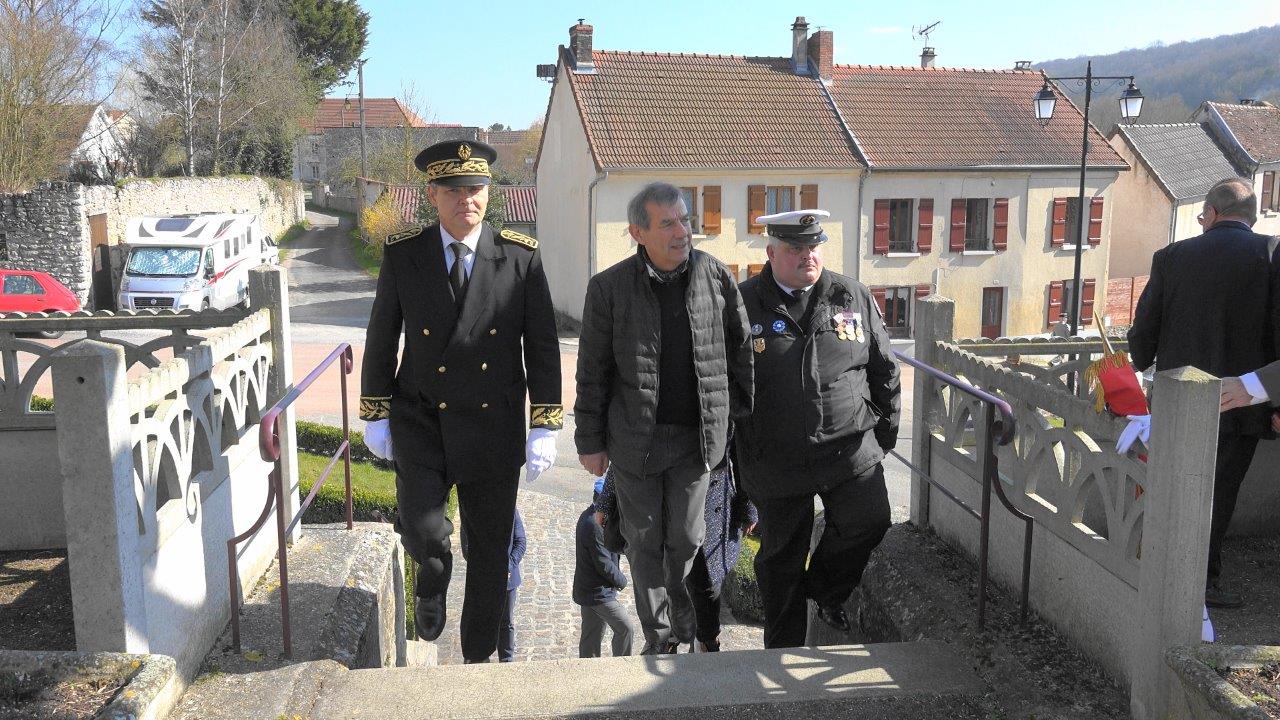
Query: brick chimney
(927, 57)
(800, 47)
(822, 52)
(580, 47)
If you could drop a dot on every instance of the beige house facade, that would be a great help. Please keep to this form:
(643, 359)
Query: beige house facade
(918, 204)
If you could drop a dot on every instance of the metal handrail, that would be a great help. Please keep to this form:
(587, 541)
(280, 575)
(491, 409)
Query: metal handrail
(999, 432)
(269, 444)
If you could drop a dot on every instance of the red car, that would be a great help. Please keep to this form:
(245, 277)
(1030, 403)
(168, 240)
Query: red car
(31, 291)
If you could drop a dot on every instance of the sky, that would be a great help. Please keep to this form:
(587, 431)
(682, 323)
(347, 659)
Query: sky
(473, 63)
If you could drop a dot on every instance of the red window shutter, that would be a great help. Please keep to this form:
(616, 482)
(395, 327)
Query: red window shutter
(808, 197)
(755, 208)
(878, 294)
(1000, 238)
(1268, 182)
(923, 290)
(958, 214)
(880, 236)
(1054, 309)
(1095, 221)
(754, 269)
(924, 234)
(733, 270)
(1059, 233)
(1086, 302)
(711, 210)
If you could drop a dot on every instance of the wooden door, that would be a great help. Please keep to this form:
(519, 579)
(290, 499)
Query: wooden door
(103, 276)
(992, 312)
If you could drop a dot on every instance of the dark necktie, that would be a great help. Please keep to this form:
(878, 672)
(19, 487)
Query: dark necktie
(458, 273)
(798, 294)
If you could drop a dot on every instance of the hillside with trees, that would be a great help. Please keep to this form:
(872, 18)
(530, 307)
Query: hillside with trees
(1176, 78)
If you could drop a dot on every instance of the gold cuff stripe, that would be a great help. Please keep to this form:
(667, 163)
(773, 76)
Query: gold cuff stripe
(375, 408)
(546, 416)
(449, 168)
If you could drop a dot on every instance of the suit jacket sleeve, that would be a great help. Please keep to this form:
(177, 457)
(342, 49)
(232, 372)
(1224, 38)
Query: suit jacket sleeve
(737, 338)
(595, 370)
(1269, 376)
(519, 542)
(382, 341)
(1144, 334)
(884, 380)
(541, 350)
(591, 538)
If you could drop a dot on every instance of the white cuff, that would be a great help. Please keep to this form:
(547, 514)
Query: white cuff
(1254, 387)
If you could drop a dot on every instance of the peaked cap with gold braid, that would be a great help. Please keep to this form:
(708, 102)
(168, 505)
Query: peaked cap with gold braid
(457, 162)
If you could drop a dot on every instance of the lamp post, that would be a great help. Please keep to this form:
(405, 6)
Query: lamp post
(1130, 107)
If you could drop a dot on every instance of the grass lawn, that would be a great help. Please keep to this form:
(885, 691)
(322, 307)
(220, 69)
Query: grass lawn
(364, 476)
(363, 253)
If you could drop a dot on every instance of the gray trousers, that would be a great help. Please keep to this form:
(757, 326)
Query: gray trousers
(594, 619)
(663, 513)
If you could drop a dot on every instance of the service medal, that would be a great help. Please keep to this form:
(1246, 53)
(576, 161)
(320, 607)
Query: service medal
(779, 325)
(757, 329)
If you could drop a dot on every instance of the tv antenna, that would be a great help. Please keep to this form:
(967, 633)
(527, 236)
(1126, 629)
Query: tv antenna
(918, 31)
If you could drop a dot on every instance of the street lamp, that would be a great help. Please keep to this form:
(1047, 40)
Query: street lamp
(1044, 102)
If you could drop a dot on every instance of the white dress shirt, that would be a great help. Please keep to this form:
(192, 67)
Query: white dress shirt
(1254, 387)
(471, 241)
(791, 291)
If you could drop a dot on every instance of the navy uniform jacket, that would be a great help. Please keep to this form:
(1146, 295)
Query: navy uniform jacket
(1211, 303)
(469, 369)
(827, 398)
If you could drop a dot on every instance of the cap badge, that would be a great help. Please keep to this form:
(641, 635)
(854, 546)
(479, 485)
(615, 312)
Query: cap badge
(464, 151)
(808, 220)
(757, 329)
(758, 345)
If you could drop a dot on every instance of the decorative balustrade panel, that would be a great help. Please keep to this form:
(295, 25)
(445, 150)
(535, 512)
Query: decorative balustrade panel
(185, 413)
(1062, 467)
(25, 361)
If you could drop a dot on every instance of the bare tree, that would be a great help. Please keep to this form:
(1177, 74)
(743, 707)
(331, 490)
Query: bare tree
(53, 53)
(175, 79)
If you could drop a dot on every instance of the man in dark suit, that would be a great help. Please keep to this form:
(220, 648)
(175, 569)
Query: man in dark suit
(1209, 304)
(476, 314)
(515, 556)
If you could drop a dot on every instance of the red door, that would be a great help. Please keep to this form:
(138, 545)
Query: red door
(992, 312)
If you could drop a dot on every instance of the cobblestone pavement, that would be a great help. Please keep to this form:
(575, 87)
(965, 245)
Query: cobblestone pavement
(547, 620)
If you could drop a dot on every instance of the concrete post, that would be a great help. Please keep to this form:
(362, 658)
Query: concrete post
(935, 320)
(1175, 531)
(101, 504)
(269, 288)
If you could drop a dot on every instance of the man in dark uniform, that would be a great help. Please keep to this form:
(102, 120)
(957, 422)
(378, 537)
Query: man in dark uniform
(826, 410)
(476, 314)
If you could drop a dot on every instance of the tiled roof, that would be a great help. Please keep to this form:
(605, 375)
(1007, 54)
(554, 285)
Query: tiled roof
(1183, 156)
(649, 110)
(69, 123)
(522, 202)
(907, 117)
(1257, 127)
(378, 112)
(504, 137)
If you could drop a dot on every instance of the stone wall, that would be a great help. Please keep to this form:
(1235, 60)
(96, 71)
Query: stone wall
(46, 229)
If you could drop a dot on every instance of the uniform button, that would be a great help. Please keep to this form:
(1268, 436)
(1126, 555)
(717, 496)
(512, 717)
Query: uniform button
(443, 406)
(484, 405)
(440, 369)
(426, 331)
(493, 331)
(484, 366)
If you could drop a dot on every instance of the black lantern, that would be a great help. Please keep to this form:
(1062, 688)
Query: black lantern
(1044, 102)
(1130, 102)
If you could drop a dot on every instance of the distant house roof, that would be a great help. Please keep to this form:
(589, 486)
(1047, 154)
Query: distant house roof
(938, 118)
(1184, 158)
(522, 202)
(378, 112)
(71, 124)
(657, 110)
(1256, 127)
(504, 137)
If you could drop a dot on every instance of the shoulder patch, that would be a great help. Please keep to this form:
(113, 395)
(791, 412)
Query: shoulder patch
(394, 238)
(519, 239)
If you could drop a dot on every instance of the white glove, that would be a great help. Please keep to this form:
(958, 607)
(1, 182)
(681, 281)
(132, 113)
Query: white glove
(1139, 427)
(377, 435)
(539, 452)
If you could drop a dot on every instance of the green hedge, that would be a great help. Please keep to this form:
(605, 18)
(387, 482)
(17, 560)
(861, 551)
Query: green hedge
(741, 590)
(324, 440)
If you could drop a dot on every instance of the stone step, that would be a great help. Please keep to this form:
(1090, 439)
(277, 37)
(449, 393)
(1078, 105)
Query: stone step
(900, 680)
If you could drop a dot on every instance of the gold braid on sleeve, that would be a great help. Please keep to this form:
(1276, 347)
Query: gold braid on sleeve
(550, 417)
(374, 408)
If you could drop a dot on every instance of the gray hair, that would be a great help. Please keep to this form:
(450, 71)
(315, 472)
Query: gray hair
(659, 193)
(1233, 197)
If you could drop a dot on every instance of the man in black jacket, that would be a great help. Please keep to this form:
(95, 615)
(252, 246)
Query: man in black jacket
(475, 311)
(597, 578)
(826, 410)
(1211, 304)
(663, 362)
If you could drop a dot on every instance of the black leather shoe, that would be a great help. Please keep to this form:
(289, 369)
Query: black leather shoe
(670, 647)
(428, 616)
(834, 616)
(1216, 597)
(468, 661)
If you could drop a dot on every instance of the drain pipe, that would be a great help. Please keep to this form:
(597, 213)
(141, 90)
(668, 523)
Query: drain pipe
(857, 258)
(591, 222)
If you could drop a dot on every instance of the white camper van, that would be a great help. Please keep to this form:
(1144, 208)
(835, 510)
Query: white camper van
(192, 261)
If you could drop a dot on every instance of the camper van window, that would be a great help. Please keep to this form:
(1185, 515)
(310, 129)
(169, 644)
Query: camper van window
(173, 224)
(163, 261)
(208, 263)
(226, 247)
